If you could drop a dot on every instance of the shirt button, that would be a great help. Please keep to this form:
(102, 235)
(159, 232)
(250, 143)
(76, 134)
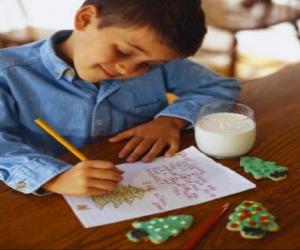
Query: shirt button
(21, 185)
(56, 72)
(70, 73)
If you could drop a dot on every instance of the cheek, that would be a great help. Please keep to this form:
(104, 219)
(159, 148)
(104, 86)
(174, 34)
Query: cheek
(90, 54)
(105, 58)
(102, 54)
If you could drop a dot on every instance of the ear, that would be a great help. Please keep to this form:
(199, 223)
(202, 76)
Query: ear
(86, 15)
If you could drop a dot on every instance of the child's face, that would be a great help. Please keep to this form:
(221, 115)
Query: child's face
(115, 53)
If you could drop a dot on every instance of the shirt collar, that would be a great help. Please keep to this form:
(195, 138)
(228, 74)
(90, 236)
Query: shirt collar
(56, 66)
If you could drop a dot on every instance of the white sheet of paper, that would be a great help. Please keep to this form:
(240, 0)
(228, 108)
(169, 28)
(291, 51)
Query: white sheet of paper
(188, 178)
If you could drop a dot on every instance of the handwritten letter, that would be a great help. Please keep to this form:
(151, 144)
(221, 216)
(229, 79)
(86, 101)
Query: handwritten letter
(186, 179)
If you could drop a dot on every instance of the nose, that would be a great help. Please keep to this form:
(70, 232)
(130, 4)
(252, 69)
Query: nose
(120, 69)
(126, 68)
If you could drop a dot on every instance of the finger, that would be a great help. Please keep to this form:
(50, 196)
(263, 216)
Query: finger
(129, 147)
(174, 147)
(155, 150)
(105, 175)
(103, 165)
(140, 150)
(122, 136)
(102, 184)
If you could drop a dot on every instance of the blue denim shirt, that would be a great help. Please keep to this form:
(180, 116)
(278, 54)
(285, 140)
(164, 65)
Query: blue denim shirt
(36, 83)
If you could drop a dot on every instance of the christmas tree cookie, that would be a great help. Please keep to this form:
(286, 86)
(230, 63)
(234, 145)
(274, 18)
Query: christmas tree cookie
(252, 220)
(158, 230)
(263, 169)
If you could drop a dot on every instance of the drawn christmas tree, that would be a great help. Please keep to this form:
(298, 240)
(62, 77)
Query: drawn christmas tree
(122, 194)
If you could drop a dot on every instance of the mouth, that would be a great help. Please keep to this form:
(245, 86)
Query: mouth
(107, 72)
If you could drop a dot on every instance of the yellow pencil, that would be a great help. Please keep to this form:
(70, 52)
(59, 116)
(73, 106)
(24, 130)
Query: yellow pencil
(60, 139)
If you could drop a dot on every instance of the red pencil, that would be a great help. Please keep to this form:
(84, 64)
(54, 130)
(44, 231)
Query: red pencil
(205, 227)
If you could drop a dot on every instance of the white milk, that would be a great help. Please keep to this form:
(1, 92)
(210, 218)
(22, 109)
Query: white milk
(225, 134)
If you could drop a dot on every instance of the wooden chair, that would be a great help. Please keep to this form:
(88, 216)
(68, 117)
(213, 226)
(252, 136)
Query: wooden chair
(247, 15)
(17, 37)
(9, 39)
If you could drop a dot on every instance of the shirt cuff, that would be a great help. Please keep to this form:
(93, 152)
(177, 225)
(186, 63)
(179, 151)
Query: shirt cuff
(189, 126)
(30, 176)
(185, 111)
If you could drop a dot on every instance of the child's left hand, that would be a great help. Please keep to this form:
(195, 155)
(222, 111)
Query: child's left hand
(149, 139)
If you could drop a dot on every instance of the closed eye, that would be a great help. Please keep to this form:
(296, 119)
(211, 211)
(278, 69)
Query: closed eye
(123, 53)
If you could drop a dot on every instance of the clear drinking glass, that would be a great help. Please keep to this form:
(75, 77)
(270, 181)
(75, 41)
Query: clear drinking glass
(225, 129)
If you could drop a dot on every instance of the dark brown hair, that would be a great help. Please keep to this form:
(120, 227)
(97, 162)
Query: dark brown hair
(180, 24)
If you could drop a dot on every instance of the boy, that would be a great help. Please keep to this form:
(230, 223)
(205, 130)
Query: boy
(107, 77)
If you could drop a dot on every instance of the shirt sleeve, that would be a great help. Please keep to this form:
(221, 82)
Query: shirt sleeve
(195, 86)
(22, 167)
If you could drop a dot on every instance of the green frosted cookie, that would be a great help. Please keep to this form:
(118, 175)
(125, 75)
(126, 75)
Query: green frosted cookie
(263, 169)
(158, 230)
(252, 220)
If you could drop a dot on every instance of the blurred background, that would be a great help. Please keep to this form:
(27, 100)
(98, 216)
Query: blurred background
(246, 38)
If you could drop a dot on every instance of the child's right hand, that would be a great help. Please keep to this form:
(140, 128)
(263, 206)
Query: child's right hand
(86, 178)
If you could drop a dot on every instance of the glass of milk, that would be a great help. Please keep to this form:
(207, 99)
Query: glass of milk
(225, 129)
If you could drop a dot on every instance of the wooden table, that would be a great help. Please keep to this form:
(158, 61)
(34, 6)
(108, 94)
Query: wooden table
(30, 222)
